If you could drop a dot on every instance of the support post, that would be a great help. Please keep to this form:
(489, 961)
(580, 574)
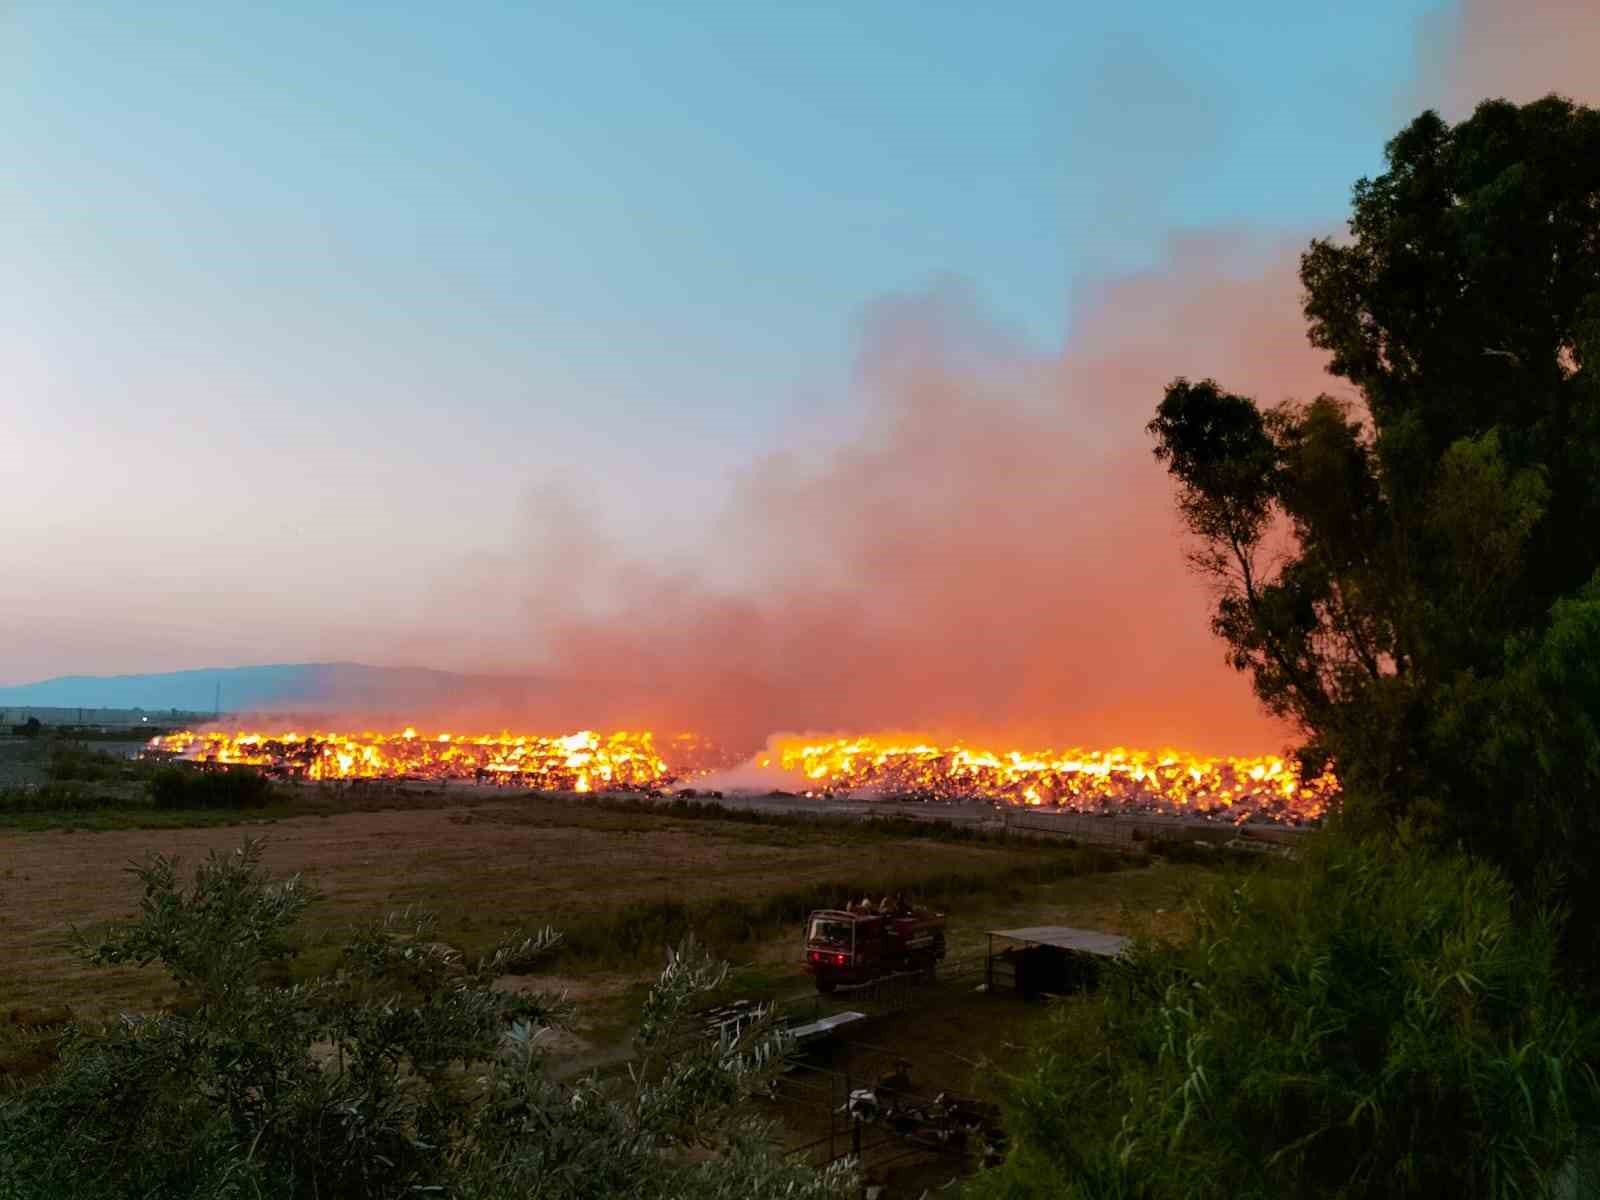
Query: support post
(833, 1118)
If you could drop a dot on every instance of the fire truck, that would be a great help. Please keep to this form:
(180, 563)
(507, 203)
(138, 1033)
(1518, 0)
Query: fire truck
(853, 946)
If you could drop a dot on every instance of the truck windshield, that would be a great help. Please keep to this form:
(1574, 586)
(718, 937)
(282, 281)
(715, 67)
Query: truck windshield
(831, 930)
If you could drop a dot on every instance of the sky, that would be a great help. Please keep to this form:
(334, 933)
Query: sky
(781, 366)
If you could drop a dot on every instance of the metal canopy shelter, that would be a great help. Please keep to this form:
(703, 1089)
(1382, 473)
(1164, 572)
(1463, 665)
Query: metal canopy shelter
(1089, 942)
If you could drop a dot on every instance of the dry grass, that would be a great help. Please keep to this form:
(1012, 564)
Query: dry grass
(1139, 900)
(486, 870)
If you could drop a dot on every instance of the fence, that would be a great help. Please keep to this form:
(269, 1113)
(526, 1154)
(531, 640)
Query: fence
(1080, 827)
(1140, 836)
(881, 1120)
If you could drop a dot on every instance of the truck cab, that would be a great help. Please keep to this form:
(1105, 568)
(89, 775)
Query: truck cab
(844, 948)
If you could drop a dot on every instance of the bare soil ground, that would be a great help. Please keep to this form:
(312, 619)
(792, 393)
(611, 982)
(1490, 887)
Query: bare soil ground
(487, 870)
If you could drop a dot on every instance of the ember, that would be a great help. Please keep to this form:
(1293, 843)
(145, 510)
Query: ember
(1265, 787)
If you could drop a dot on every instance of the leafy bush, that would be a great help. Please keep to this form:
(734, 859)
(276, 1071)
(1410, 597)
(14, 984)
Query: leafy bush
(1376, 1023)
(53, 797)
(75, 763)
(401, 1072)
(236, 787)
(73, 778)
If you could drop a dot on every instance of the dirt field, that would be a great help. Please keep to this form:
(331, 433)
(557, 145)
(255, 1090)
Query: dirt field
(486, 870)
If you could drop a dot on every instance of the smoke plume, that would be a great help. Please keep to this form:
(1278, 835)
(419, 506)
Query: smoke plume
(995, 552)
(1519, 51)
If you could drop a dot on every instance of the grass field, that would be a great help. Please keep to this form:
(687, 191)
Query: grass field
(620, 882)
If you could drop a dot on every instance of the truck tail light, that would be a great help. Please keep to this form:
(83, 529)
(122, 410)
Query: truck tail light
(821, 956)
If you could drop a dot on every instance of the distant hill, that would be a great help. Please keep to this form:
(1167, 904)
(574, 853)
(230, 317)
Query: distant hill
(298, 687)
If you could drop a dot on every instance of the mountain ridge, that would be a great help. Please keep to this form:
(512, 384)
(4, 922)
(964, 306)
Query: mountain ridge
(343, 686)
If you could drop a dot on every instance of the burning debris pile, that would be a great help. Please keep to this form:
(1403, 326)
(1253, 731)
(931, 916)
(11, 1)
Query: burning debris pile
(1115, 780)
(579, 762)
(1264, 787)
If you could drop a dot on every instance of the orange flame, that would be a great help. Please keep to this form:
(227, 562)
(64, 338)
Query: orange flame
(1265, 786)
(1116, 779)
(581, 762)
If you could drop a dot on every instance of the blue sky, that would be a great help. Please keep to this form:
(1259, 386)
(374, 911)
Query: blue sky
(344, 285)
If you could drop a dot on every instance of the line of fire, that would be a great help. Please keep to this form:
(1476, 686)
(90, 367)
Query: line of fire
(1260, 788)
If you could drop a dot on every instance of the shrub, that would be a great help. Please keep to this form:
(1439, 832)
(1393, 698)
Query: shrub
(1374, 1024)
(52, 797)
(185, 787)
(400, 1072)
(71, 762)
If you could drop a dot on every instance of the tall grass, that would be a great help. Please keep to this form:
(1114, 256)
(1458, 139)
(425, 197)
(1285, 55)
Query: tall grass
(179, 787)
(54, 798)
(71, 762)
(81, 780)
(643, 928)
(1373, 1023)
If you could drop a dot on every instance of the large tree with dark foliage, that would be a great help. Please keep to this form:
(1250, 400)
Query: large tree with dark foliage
(1413, 578)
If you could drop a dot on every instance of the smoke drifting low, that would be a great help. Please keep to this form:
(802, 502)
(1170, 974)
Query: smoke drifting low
(996, 553)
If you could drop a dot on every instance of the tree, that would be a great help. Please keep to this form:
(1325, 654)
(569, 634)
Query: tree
(1411, 579)
(400, 1072)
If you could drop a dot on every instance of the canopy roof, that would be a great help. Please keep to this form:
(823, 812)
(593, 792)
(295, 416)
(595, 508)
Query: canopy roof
(1064, 937)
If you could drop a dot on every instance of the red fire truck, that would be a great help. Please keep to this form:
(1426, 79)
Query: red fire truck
(846, 946)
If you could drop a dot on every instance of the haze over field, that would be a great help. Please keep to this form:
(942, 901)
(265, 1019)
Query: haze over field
(509, 343)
